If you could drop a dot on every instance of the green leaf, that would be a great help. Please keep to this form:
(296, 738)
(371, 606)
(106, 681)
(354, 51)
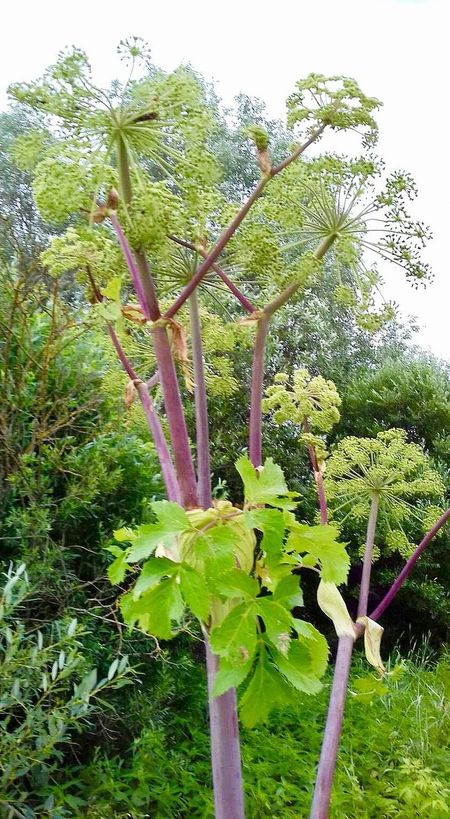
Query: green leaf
(172, 521)
(117, 570)
(112, 289)
(316, 645)
(265, 485)
(152, 572)
(296, 667)
(288, 591)
(155, 610)
(229, 676)
(237, 583)
(195, 592)
(123, 535)
(271, 523)
(266, 689)
(235, 638)
(321, 543)
(278, 621)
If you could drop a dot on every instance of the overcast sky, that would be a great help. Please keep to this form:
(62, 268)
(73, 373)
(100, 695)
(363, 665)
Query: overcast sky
(396, 49)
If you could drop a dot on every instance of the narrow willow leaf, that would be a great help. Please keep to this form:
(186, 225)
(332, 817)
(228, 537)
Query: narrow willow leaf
(113, 668)
(332, 604)
(373, 633)
(87, 685)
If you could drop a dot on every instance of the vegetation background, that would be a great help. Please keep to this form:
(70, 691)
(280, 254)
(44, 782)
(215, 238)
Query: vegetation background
(131, 740)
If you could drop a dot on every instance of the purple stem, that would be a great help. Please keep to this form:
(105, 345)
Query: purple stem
(175, 417)
(135, 277)
(255, 426)
(333, 727)
(408, 567)
(225, 747)
(246, 304)
(165, 460)
(367, 563)
(201, 407)
(143, 280)
(167, 468)
(223, 240)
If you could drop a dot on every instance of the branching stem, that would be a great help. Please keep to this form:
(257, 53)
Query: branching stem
(223, 240)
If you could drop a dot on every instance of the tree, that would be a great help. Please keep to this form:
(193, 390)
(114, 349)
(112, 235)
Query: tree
(135, 161)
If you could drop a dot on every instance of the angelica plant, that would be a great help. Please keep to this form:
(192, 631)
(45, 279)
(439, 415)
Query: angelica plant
(153, 238)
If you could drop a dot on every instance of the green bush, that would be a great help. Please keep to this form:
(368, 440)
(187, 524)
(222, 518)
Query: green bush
(48, 691)
(393, 762)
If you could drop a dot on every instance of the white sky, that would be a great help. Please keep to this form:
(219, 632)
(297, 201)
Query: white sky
(396, 49)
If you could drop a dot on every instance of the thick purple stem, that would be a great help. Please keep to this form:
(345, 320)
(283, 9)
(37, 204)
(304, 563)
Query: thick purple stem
(409, 565)
(255, 426)
(175, 417)
(225, 747)
(201, 407)
(169, 383)
(333, 727)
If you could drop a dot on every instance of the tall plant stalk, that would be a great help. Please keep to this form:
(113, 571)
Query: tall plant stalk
(201, 406)
(333, 727)
(225, 746)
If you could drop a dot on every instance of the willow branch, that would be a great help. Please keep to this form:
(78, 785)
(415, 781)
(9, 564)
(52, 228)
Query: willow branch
(201, 407)
(225, 237)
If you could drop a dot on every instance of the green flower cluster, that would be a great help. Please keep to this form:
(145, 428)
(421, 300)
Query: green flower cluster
(315, 399)
(334, 101)
(398, 473)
